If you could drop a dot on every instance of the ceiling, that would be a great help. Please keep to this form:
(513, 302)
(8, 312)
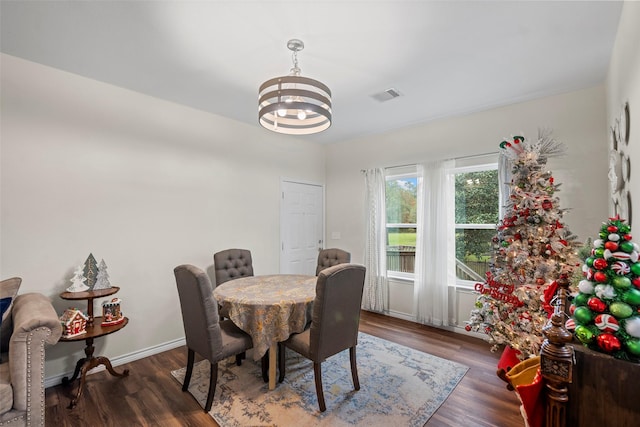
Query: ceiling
(446, 58)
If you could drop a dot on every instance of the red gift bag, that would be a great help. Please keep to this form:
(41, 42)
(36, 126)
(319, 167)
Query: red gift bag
(526, 379)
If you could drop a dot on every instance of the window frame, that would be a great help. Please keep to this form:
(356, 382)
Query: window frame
(485, 166)
(394, 174)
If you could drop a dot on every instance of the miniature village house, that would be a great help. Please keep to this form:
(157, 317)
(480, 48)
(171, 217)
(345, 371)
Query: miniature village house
(74, 322)
(111, 314)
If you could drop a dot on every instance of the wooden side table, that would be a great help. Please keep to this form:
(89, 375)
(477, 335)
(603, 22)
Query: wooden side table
(94, 330)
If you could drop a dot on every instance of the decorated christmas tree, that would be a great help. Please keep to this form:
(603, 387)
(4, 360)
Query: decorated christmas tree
(606, 310)
(531, 249)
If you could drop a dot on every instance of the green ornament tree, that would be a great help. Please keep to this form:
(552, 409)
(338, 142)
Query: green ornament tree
(606, 310)
(532, 248)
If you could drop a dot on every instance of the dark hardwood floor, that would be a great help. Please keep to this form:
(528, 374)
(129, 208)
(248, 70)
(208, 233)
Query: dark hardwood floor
(150, 396)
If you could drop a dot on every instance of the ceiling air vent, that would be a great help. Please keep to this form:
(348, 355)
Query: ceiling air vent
(386, 95)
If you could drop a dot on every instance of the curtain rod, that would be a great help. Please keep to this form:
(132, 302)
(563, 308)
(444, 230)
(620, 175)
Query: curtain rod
(454, 158)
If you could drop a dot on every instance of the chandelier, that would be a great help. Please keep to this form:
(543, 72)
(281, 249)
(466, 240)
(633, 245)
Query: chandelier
(293, 104)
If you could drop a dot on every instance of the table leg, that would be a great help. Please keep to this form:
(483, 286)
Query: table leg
(273, 352)
(86, 364)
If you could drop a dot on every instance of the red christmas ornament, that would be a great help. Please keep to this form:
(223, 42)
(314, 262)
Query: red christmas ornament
(636, 282)
(612, 246)
(596, 304)
(600, 263)
(608, 342)
(612, 229)
(600, 277)
(627, 237)
(546, 204)
(467, 328)
(539, 281)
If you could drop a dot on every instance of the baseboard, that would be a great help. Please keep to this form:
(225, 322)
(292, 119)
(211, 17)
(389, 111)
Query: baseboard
(400, 315)
(454, 328)
(121, 360)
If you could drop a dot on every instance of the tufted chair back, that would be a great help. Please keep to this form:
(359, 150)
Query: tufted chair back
(330, 257)
(231, 264)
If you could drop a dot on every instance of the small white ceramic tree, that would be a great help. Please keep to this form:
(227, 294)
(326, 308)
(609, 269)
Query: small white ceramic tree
(77, 282)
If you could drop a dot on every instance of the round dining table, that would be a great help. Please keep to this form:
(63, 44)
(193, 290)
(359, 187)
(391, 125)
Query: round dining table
(269, 308)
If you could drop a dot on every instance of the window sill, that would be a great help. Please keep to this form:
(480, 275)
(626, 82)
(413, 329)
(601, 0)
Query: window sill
(401, 277)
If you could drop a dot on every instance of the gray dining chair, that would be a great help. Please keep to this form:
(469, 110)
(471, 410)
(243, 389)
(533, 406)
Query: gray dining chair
(231, 264)
(334, 323)
(205, 333)
(330, 257)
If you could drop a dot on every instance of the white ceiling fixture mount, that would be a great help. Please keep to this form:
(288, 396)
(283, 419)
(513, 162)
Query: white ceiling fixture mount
(294, 104)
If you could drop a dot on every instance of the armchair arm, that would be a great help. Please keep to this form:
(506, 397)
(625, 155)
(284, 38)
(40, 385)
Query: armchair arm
(35, 323)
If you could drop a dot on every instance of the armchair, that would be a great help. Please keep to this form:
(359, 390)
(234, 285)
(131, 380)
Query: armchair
(35, 324)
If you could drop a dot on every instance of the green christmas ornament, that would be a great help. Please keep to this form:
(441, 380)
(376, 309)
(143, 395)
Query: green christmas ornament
(598, 252)
(633, 346)
(625, 228)
(632, 296)
(589, 262)
(620, 310)
(626, 246)
(581, 299)
(584, 334)
(635, 268)
(604, 234)
(621, 282)
(583, 315)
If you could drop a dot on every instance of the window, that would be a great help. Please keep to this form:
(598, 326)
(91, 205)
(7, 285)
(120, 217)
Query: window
(476, 194)
(476, 215)
(400, 198)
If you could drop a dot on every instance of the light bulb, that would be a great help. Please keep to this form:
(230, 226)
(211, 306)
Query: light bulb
(302, 115)
(282, 112)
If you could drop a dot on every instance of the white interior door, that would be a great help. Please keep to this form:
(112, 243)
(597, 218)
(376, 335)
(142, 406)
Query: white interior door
(301, 227)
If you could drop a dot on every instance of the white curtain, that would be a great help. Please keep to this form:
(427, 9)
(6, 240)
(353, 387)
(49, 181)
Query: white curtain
(376, 288)
(435, 245)
(504, 177)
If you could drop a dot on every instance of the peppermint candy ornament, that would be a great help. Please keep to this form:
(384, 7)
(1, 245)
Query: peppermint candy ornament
(570, 324)
(607, 323)
(621, 268)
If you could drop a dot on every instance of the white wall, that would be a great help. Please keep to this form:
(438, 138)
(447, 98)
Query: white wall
(623, 85)
(143, 183)
(577, 119)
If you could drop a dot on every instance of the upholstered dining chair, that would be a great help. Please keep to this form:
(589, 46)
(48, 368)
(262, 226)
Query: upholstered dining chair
(334, 323)
(330, 257)
(231, 264)
(205, 333)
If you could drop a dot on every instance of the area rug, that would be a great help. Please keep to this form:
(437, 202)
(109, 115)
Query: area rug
(399, 387)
